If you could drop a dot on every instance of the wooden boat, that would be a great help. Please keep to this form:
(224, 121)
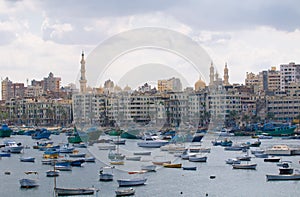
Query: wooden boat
(90, 159)
(142, 153)
(131, 182)
(27, 159)
(161, 162)
(119, 142)
(133, 158)
(148, 168)
(233, 161)
(172, 165)
(117, 162)
(198, 159)
(52, 173)
(107, 147)
(272, 159)
(189, 168)
(244, 166)
(106, 173)
(281, 177)
(29, 182)
(137, 172)
(125, 192)
(77, 155)
(73, 191)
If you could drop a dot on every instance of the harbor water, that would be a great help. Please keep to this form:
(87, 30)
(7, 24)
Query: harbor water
(163, 182)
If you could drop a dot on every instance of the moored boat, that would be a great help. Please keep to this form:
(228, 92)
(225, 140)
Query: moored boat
(280, 150)
(244, 166)
(272, 159)
(152, 143)
(12, 147)
(148, 168)
(29, 182)
(278, 129)
(172, 165)
(5, 131)
(73, 191)
(198, 158)
(27, 159)
(131, 182)
(125, 192)
(189, 168)
(106, 174)
(52, 173)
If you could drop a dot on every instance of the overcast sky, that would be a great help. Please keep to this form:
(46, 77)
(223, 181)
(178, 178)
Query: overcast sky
(38, 37)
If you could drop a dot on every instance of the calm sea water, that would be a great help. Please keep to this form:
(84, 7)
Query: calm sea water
(164, 182)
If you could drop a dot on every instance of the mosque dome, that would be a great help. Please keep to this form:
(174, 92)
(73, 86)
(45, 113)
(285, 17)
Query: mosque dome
(127, 88)
(199, 85)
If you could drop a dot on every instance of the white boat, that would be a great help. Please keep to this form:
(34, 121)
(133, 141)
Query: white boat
(198, 158)
(264, 136)
(172, 147)
(29, 182)
(261, 155)
(80, 145)
(152, 143)
(73, 191)
(52, 173)
(125, 192)
(106, 174)
(280, 149)
(63, 167)
(133, 158)
(149, 168)
(131, 182)
(27, 159)
(233, 161)
(12, 147)
(244, 166)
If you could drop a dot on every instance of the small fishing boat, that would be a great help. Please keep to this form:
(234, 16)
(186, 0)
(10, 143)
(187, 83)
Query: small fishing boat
(27, 159)
(90, 159)
(133, 158)
(125, 192)
(77, 155)
(149, 168)
(142, 153)
(29, 182)
(244, 166)
(189, 168)
(161, 162)
(172, 165)
(117, 162)
(272, 159)
(106, 175)
(233, 161)
(73, 191)
(52, 173)
(198, 158)
(131, 182)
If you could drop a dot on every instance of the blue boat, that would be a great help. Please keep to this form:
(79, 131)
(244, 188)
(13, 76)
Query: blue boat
(5, 154)
(41, 134)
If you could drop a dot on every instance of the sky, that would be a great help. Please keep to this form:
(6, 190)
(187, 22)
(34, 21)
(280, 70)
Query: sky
(39, 37)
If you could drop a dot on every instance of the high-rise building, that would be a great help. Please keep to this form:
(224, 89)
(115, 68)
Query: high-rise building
(12, 90)
(51, 83)
(172, 84)
(290, 73)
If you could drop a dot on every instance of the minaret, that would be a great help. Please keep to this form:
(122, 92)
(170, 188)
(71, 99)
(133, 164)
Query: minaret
(211, 75)
(226, 76)
(82, 80)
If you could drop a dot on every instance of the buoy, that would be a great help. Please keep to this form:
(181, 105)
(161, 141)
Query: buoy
(7, 173)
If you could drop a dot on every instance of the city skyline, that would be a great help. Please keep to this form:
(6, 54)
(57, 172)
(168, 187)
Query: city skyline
(42, 37)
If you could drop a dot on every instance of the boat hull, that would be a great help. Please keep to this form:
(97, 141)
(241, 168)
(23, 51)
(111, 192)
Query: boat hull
(28, 183)
(74, 191)
(283, 177)
(131, 182)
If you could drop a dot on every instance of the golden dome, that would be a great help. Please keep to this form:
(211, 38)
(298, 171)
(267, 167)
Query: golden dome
(199, 85)
(117, 88)
(127, 88)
